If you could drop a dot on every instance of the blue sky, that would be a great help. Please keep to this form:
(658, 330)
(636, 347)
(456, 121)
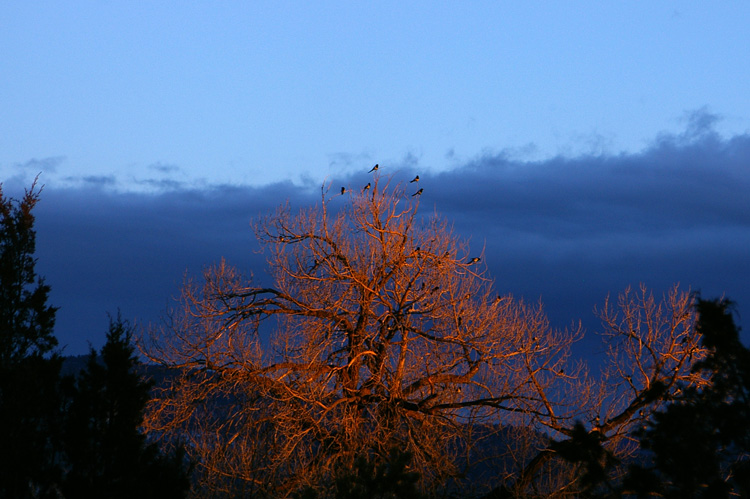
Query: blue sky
(584, 145)
(254, 92)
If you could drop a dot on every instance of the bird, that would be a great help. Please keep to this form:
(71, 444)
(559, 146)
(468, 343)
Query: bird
(416, 179)
(366, 187)
(474, 260)
(374, 168)
(418, 193)
(343, 191)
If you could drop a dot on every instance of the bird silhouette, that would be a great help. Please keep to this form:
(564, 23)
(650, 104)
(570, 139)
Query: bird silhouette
(474, 260)
(343, 191)
(374, 168)
(366, 187)
(416, 179)
(418, 193)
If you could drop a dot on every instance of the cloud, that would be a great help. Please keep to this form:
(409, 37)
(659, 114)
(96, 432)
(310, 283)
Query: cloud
(25, 172)
(161, 185)
(699, 122)
(573, 229)
(35, 165)
(97, 180)
(101, 250)
(163, 168)
(342, 161)
(568, 230)
(672, 185)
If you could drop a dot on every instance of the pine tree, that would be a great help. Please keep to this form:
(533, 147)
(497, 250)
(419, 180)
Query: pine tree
(29, 367)
(26, 321)
(107, 454)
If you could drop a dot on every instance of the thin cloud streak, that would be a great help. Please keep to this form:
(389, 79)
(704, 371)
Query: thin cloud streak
(35, 165)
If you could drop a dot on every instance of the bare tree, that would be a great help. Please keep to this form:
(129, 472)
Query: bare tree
(651, 347)
(381, 330)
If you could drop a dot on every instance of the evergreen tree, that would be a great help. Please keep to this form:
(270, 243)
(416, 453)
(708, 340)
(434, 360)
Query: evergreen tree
(29, 368)
(701, 443)
(26, 321)
(108, 455)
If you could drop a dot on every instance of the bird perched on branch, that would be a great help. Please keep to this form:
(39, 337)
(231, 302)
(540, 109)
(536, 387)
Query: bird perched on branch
(343, 191)
(474, 260)
(418, 193)
(416, 179)
(366, 187)
(374, 168)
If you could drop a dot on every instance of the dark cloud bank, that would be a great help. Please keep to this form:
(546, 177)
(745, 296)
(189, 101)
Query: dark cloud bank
(566, 230)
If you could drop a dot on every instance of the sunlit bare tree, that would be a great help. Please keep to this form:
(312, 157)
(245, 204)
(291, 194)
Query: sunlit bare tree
(651, 346)
(381, 330)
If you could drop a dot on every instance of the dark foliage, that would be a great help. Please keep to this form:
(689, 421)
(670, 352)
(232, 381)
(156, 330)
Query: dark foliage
(584, 448)
(386, 480)
(63, 437)
(108, 455)
(700, 445)
(29, 369)
(30, 411)
(26, 321)
(371, 478)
